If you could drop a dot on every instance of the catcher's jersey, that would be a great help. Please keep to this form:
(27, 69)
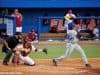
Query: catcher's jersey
(72, 36)
(22, 49)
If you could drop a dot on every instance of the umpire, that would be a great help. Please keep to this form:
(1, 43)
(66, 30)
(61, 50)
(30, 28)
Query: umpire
(8, 46)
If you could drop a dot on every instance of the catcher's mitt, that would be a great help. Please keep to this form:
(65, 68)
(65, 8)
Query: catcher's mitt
(45, 51)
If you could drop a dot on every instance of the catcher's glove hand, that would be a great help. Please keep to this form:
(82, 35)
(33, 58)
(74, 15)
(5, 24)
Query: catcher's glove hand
(45, 51)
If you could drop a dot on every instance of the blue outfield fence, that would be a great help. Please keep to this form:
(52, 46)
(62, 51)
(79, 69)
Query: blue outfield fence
(8, 24)
(41, 18)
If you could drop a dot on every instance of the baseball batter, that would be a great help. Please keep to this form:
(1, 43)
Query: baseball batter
(72, 44)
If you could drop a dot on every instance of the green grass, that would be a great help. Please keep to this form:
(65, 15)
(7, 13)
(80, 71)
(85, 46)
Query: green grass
(92, 51)
(53, 51)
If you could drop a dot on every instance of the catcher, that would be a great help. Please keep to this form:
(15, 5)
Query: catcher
(22, 51)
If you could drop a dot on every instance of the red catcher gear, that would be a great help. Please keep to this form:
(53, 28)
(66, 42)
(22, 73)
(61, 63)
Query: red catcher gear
(32, 36)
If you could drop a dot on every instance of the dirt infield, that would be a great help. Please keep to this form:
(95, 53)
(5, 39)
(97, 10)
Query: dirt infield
(45, 67)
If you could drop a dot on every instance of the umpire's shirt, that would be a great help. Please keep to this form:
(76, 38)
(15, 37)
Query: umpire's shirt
(12, 42)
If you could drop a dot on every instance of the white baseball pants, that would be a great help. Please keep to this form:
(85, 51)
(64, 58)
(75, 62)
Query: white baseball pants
(70, 48)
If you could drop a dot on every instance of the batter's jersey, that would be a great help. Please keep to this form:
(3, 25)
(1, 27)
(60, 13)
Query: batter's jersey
(72, 36)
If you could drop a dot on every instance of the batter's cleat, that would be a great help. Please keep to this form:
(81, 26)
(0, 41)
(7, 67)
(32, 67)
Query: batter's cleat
(54, 62)
(45, 51)
(88, 65)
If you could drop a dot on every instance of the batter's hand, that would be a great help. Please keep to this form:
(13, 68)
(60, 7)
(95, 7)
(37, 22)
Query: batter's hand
(45, 51)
